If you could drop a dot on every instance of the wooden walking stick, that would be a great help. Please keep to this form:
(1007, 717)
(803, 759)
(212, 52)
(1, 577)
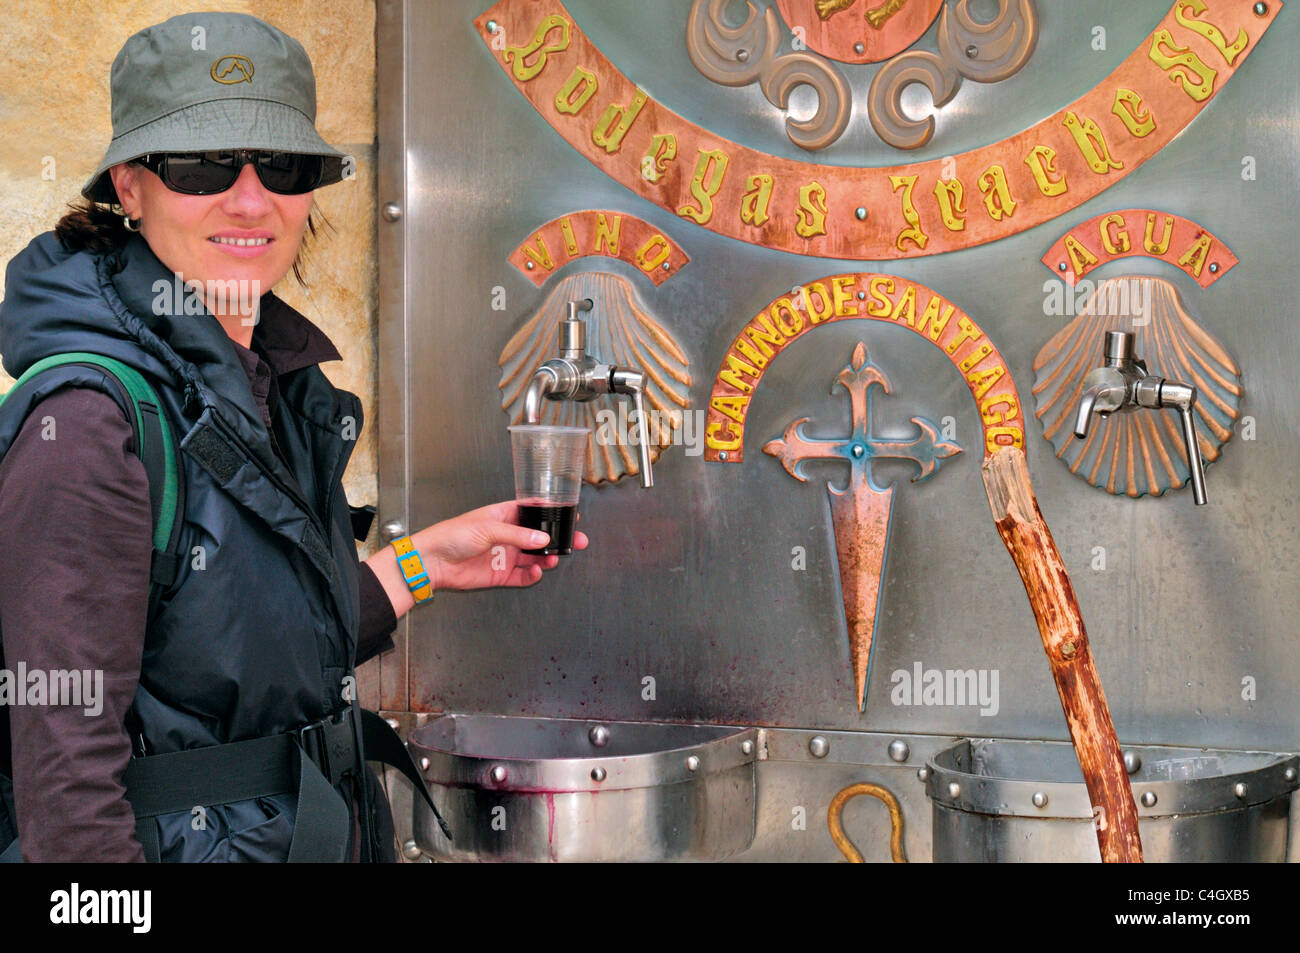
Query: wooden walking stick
(1021, 526)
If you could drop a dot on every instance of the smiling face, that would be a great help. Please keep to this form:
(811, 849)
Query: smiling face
(245, 234)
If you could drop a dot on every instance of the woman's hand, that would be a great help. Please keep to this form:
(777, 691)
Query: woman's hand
(476, 550)
(482, 548)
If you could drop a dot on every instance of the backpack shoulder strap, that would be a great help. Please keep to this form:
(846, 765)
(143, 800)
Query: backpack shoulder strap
(155, 445)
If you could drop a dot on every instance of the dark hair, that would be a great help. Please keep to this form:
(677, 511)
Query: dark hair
(304, 250)
(90, 226)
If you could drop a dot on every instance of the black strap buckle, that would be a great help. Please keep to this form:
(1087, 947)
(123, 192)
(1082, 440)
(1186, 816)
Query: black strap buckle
(331, 744)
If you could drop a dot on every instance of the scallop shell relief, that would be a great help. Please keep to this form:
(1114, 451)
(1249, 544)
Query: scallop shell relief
(620, 331)
(1141, 452)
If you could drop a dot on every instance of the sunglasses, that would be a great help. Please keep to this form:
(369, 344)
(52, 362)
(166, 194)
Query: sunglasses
(209, 173)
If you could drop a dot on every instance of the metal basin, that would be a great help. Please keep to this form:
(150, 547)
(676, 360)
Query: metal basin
(1016, 801)
(542, 789)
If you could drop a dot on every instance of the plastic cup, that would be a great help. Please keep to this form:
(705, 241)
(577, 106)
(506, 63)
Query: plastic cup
(548, 478)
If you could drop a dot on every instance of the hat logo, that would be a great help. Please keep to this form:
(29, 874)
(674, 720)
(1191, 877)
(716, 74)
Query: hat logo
(233, 69)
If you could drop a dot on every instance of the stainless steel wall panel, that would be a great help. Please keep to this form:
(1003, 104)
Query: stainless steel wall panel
(691, 582)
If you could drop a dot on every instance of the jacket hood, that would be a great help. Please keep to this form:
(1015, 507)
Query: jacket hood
(127, 306)
(53, 303)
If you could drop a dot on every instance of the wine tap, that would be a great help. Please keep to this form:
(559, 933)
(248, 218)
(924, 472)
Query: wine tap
(576, 375)
(1122, 384)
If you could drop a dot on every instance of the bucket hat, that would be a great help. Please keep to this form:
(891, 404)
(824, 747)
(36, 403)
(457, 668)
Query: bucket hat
(203, 82)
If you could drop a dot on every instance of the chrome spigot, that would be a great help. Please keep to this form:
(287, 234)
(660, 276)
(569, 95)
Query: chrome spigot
(576, 375)
(1122, 384)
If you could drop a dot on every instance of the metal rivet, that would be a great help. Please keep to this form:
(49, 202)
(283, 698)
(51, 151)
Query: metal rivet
(1039, 799)
(599, 735)
(742, 55)
(497, 774)
(411, 850)
(819, 747)
(1239, 789)
(667, 266)
(972, 51)
(598, 774)
(692, 763)
(529, 265)
(1061, 266)
(747, 747)
(722, 455)
(492, 26)
(391, 211)
(923, 774)
(899, 750)
(954, 789)
(1214, 267)
(1261, 9)
(861, 213)
(424, 764)
(1289, 774)
(862, 296)
(1068, 649)
(857, 451)
(1132, 762)
(1148, 798)
(393, 723)
(859, 48)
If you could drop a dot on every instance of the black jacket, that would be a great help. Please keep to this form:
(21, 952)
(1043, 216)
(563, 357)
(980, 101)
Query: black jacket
(259, 633)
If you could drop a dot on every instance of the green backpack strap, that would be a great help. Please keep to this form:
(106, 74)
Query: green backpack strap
(156, 447)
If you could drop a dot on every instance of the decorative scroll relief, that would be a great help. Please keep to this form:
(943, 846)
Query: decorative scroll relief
(748, 53)
(1141, 452)
(1140, 232)
(738, 56)
(882, 213)
(983, 52)
(604, 233)
(862, 512)
(620, 330)
(874, 297)
(859, 31)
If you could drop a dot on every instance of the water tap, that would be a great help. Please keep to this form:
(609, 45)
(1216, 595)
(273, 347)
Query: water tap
(576, 375)
(1122, 384)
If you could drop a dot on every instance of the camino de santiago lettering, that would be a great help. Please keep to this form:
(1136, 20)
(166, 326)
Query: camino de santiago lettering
(880, 213)
(875, 297)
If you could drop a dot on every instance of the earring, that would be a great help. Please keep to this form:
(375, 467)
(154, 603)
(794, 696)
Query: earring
(132, 224)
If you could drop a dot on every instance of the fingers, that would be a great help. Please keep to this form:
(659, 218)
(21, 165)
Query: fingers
(523, 538)
(544, 562)
(518, 536)
(507, 511)
(523, 575)
(480, 530)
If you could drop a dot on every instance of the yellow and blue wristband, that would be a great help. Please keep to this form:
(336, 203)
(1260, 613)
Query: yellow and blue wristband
(408, 560)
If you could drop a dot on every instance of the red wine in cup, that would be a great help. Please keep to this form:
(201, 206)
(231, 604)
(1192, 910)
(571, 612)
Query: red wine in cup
(557, 521)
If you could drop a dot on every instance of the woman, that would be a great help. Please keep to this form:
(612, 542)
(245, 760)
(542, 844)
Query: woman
(254, 638)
